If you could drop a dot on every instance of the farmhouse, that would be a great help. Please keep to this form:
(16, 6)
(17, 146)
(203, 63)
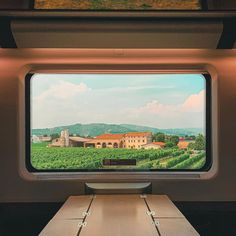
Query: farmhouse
(183, 144)
(108, 141)
(66, 141)
(40, 138)
(137, 139)
(128, 140)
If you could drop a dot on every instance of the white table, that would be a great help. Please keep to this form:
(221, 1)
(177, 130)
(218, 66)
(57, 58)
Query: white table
(119, 215)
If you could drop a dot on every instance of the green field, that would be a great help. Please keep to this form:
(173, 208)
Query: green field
(45, 158)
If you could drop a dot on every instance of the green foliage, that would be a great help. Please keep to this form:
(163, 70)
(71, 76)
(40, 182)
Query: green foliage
(199, 144)
(55, 135)
(95, 129)
(157, 154)
(44, 157)
(189, 161)
(159, 137)
(178, 153)
(146, 165)
(156, 164)
(174, 139)
(177, 160)
(191, 146)
(40, 145)
(169, 145)
(190, 137)
(198, 164)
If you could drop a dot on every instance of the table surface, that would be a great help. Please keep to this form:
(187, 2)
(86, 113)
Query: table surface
(119, 215)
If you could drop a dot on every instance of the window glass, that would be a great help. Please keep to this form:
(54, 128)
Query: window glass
(96, 121)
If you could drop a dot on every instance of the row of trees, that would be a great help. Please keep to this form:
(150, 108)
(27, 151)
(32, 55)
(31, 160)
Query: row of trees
(199, 144)
(172, 140)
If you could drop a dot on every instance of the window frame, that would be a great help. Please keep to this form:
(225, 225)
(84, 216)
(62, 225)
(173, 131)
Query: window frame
(208, 132)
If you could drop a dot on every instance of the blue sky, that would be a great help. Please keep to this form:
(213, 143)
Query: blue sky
(161, 101)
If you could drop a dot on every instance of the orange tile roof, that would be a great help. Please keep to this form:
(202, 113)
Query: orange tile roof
(162, 144)
(110, 136)
(138, 134)
(183, 144)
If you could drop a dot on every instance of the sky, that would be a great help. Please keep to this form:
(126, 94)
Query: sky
(154, 100)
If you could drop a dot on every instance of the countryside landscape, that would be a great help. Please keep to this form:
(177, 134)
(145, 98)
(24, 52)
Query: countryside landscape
(165, 149)
(118, 121)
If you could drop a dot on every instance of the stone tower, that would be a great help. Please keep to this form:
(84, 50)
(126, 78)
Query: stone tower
(65, 138)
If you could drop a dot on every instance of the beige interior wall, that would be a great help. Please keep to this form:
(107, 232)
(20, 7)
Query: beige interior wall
(14, 188)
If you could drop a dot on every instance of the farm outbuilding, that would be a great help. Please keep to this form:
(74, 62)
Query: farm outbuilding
(154, 145)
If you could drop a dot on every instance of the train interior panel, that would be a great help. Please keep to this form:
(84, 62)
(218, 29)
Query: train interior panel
(117, 118)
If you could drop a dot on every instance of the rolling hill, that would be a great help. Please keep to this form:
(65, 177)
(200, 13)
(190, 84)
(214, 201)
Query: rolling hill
(95, 129)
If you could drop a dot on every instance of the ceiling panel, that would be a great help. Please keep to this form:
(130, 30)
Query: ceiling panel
(118, 34)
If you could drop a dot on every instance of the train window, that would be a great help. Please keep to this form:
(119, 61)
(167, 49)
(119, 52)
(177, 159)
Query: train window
(119, 5)
(85, 122)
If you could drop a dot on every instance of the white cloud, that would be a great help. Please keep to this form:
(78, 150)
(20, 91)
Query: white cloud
(63, 90)
(67, 103)
(194, 103)
(155, 107)
(59, 104)
(186, 114)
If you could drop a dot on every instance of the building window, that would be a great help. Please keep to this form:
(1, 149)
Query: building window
(115, 145)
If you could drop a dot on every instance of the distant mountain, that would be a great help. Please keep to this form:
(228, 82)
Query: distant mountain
(96, 129)
(177, 131)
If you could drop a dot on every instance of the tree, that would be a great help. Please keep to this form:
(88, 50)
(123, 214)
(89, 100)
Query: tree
(190, 137)
(174, 139)
(54, 136)
(159, 137)
(199, 144)
(191, 146)
(170, 144)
